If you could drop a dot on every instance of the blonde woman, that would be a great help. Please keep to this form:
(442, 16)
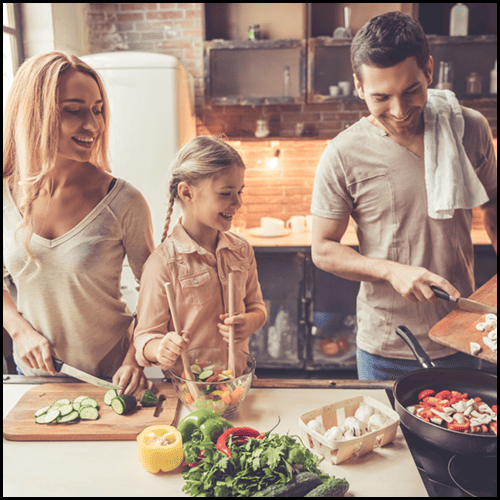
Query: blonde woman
(207, 181)
(67, 225)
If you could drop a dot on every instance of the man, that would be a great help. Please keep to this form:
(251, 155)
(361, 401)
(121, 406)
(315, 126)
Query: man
(375, 172)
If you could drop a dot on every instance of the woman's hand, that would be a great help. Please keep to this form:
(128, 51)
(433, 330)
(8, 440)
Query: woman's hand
(130, 376)
(413, 283)
(35, 351)
(170, 347)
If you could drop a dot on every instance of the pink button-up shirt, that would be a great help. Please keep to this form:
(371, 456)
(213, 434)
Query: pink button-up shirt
(200, 283)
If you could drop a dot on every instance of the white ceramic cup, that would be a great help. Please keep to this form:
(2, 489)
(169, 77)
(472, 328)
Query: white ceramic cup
(297, 224)
(345, 87)
(334, 90)
(271, 227)
(309, 222)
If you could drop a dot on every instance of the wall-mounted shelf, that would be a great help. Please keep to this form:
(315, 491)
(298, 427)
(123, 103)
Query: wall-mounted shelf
(329, 63)
(255, 72)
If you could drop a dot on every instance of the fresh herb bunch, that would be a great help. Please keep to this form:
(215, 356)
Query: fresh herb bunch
(194, 446)
(255, 465)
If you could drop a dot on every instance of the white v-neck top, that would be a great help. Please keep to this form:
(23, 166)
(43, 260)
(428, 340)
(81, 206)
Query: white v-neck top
(75, 299)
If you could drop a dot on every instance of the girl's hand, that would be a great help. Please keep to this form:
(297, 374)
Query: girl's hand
(242, 326)
(130, 376)
(35, 351)
(170, 347)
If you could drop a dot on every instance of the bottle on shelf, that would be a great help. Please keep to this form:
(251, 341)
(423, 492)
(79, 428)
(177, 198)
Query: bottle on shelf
(459, 20)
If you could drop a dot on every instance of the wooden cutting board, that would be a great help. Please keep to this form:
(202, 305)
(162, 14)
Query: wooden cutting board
(458, 329)
(19, 424)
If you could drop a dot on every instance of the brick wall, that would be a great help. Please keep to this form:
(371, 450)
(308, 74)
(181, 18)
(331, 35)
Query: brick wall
(175, 29)
(283, 191)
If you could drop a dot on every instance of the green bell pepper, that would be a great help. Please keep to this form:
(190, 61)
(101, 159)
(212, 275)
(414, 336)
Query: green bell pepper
(202, 425)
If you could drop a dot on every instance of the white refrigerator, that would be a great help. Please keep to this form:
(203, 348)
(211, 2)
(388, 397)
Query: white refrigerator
(151, 99)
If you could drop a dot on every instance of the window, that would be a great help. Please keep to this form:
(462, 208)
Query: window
(12, 44)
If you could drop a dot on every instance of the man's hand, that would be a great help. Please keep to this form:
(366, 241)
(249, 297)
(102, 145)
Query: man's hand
(413, 283)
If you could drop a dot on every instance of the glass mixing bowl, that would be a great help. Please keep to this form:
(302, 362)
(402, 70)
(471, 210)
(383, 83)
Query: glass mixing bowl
(215, 388)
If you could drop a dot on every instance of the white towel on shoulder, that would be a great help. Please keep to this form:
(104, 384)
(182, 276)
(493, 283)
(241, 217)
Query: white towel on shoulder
(450, 179)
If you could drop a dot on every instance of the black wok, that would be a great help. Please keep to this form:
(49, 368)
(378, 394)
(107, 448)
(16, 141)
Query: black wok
(474, 382)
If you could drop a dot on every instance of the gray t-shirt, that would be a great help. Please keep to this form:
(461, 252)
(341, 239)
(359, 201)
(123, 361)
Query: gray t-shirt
(365, 174)
(75, 299)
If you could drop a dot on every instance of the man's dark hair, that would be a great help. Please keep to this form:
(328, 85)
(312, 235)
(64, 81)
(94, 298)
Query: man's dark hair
(387, 40)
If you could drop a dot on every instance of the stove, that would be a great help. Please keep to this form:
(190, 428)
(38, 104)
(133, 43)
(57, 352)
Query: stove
(447, 474)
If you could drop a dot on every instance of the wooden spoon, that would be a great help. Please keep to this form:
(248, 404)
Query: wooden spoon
(230, 362)
(193, 390)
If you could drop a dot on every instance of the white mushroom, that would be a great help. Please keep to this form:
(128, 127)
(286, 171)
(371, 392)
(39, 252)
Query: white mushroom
(352, 426)
(332, 436)
(481, 327)
(460, 406)
(459, 418)
(491, 319)
(363, 414)
(474, 348)
(411, 409)
(442, 415)
(316, 426)
(376, 421)
(468, 410)
(492, 344)
(484, 408)
(493, 334)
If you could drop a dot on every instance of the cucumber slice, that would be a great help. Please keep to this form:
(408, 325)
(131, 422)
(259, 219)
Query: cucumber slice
(79, 399)
(65, 409)
(70, 417)
(88, 402)
(123, 404)
(42, 411)
(40, 419)
(61, 402)
(109, 396)
(196, 369)
(205, 374)
(89, 413)
(76, 405)
(51, 416)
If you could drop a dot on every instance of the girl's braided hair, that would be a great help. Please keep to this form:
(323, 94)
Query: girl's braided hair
(202, 158)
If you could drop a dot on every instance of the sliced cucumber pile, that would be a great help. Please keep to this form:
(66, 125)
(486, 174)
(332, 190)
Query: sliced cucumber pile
(64, 411)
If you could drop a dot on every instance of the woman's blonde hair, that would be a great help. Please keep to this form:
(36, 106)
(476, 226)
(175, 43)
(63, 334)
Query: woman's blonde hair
(202, 158)
(31, 131)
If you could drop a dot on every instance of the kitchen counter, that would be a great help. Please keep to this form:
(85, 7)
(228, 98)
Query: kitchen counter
(112, 468)
(302, 241)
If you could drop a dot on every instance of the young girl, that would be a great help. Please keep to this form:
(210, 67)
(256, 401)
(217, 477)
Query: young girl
(197, 257)
(67, 226)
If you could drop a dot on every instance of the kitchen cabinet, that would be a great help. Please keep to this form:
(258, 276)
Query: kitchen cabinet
(311, 313)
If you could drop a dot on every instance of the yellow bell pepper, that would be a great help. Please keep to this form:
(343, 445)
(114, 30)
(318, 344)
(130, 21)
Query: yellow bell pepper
(160, 448)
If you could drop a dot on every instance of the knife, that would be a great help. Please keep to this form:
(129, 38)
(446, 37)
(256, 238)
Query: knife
(465, 304)
(61, 366)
